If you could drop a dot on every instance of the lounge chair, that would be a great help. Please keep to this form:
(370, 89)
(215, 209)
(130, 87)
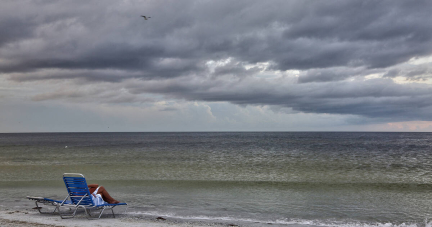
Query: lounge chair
(79, 197)
(45, 201)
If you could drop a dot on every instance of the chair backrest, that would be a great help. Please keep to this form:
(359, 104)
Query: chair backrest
(77, 188)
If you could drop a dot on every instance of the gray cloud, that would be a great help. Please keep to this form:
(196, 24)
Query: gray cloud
(330, 42)
(293, 35)
(375, 98)
(332, 74)
(419, 72)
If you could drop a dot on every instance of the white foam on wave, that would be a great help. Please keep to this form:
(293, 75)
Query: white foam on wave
(348, 224)
(288, 222)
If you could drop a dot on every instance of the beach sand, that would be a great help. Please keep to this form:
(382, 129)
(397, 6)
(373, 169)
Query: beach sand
(30, 217)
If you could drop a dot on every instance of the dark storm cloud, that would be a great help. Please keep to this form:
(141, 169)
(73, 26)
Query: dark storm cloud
(182, 51)
(376, 98)
(16, 29)
(292, 34)
(331, 74)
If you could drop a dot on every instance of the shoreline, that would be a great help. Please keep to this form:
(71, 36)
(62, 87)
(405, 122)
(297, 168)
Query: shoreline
(30, 217)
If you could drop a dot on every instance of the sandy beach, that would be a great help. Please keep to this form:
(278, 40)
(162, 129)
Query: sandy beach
(30, 217)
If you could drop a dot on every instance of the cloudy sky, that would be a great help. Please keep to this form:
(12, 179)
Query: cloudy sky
(224, 65)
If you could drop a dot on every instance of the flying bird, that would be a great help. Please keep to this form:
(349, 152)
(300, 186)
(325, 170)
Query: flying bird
(146, 18)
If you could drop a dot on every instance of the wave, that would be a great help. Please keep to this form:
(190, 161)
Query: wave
(278, 222)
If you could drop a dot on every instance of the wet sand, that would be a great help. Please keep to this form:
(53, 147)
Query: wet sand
(30, 217)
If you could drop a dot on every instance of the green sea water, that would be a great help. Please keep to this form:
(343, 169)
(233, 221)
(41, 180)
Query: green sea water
(308, 178)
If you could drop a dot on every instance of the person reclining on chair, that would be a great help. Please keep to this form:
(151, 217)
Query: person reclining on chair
(100, 193)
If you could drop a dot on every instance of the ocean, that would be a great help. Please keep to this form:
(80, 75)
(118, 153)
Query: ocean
(248, 178)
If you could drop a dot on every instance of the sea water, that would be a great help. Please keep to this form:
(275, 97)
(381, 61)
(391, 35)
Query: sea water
(251, 178)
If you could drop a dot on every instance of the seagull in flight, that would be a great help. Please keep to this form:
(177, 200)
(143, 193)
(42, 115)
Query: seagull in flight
(146, 18)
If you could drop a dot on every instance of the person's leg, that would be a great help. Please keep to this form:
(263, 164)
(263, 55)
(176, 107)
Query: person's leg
(106, 196)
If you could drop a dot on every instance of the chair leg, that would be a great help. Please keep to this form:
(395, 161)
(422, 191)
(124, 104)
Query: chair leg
(101, 212)
(112, 210)
(87, 213)
(67, 216)
(39, 208)
(90, 217)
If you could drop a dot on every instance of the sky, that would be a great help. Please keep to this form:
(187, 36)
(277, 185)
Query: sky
(98, 66)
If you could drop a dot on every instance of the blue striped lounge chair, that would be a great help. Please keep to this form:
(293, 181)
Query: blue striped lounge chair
(79, 197)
